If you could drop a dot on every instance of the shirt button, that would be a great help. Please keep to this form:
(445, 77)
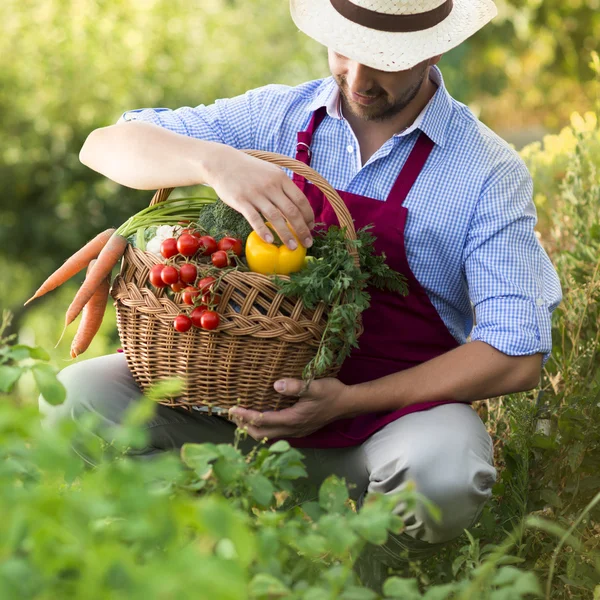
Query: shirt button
(350, 148)
(540, 302)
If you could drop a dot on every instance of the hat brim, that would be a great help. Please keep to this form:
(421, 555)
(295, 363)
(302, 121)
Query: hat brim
(387, 51)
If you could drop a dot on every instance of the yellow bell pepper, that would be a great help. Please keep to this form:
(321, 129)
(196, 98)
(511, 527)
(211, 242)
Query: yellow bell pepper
(270, 259)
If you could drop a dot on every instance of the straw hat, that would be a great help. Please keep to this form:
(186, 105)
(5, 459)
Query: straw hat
(391, 35)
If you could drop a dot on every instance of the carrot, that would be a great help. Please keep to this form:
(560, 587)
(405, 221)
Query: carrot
(107, 259)
(79, 261)
(91, 319)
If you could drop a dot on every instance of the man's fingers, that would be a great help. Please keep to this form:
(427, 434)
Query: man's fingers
(268, 419)
(270, 211)
(291, 387)
(296, 220)
(256, 222)
(294, 193)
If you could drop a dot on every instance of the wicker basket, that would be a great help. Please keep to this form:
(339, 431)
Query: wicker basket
(271, 336)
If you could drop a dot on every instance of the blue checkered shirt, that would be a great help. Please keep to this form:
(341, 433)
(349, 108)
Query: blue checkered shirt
(470, 238)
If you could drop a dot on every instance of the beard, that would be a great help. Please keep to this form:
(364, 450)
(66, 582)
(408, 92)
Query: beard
(385, 107)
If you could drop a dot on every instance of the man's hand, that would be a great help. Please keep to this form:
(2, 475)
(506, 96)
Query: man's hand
(320, 404)
(254, 187)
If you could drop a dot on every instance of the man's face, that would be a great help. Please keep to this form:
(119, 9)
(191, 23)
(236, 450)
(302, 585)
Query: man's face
(374, 95)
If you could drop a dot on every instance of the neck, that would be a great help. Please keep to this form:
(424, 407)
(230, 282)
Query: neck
(381, 131)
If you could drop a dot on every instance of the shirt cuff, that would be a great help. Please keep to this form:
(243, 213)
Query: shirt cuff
(514, 325)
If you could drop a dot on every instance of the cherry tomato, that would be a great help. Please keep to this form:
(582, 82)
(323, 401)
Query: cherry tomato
(220, 259)
(177, 287)
(169, 247)
(209, 320)
(182, 323)
(211, 299)
(188, 273)
(187, 244)
(189, 294)
(230, 243)
(207, 245)
(193, 232)
(196, 315)
(155, 276)
(170, 275)
(206, 283)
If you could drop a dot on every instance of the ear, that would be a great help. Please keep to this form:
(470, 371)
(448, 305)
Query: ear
(435, 60)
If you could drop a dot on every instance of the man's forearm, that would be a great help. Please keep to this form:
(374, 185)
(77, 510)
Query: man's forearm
(474, 371)
(146, 157)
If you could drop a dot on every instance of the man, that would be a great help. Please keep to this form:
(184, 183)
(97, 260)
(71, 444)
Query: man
(452, 208)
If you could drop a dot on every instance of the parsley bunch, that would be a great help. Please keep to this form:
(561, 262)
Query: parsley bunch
(332, 277)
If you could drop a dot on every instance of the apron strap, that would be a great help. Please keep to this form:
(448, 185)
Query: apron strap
(411, 170)
(303, 152)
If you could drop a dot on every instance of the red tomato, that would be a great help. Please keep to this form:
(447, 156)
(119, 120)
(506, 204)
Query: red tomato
(211, 299)
(169, 247)
(206, 283)
(193, 232)
(155, 276)
(187, 244)
(209, 320)
(220, 259)
(177, 287)
(207, 245)
(189, 294)
(170, 275)
(188, 273)
(230, 243)
(196, 315)
(182, 323)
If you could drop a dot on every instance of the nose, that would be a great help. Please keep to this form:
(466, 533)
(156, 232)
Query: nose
(359, 78)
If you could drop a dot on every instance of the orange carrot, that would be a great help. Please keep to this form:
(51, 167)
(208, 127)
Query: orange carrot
(79, 261)
(91, 319)
(107, 259)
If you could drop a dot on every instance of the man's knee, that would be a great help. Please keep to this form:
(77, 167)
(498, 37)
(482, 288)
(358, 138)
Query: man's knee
(458, 488)
(101, 386)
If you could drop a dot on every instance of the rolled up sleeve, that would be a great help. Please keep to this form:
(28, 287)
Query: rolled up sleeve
(513, 286)
(228, 121)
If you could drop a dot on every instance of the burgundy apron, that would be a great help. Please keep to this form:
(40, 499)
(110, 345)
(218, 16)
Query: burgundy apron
(400, 332)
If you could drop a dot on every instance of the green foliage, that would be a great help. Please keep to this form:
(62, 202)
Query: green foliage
(334, 279)
(215, 525)
(17, 359)
(220, 220)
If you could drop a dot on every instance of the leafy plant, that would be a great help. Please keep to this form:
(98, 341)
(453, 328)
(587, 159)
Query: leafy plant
(16, 359)
(333, 278)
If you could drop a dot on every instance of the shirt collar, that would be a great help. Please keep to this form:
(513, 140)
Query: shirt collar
(433, 119)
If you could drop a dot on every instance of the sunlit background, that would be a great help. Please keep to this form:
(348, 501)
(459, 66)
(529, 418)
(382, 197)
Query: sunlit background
(70, 66)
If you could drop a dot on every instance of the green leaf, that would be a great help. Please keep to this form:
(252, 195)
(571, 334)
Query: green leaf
(539, 440)
(168, 388)
(280, 446)
(406, 589)
(8, 377)
(551, 497)
(264, 585)
(441, 592)
(358, 593)
(50, 387)
(312, 509)
(333, 495)
(261, 488)
(458, 563)
(199, 457)
(21, 352)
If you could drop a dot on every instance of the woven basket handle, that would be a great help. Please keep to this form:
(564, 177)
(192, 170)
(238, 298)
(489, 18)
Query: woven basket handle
(300, 168)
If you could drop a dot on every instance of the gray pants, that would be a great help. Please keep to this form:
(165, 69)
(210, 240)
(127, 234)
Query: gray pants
(446, 451)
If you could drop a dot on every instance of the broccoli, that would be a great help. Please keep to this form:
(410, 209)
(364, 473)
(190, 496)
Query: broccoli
(220, 220)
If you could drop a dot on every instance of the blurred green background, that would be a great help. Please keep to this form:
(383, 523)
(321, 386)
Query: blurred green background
(70, 66)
